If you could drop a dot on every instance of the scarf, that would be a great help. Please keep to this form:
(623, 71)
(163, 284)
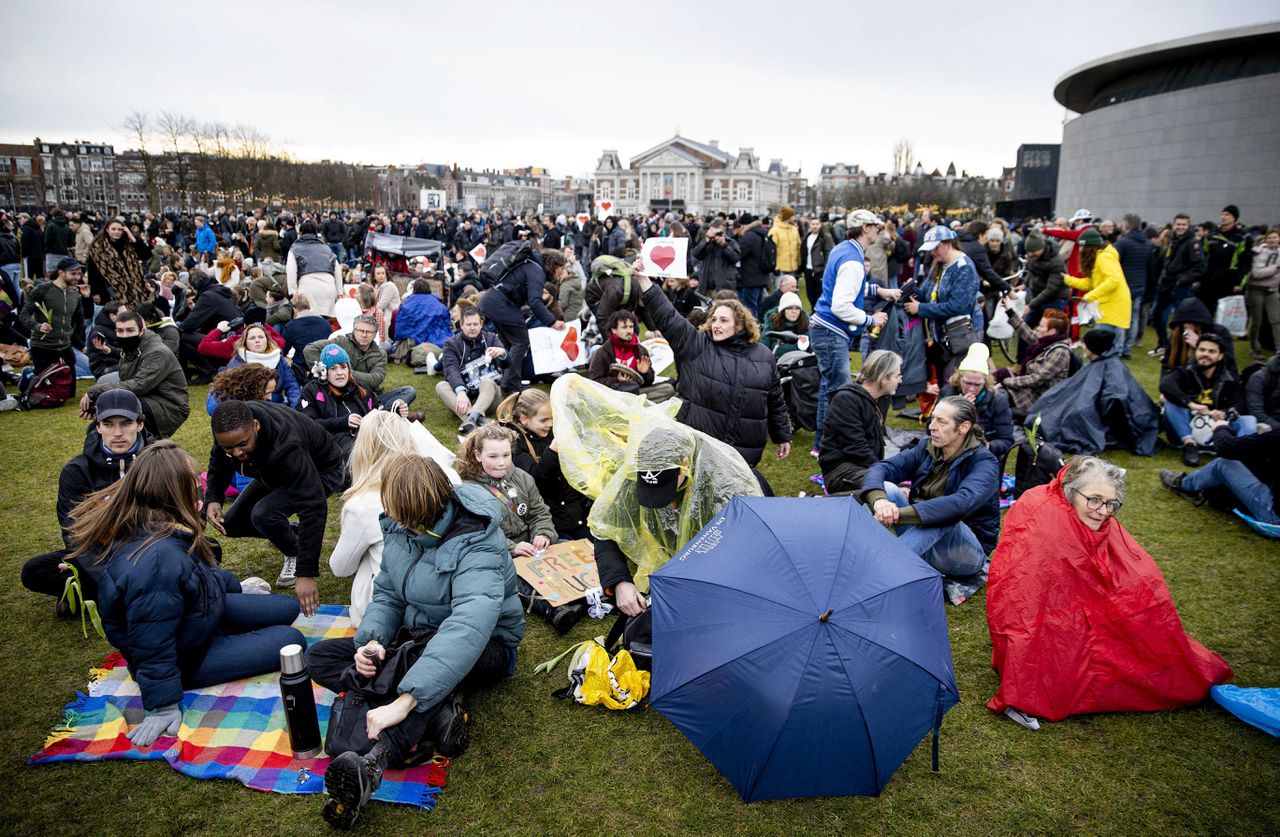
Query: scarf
(226, 267)
(120, 266)
(268, 359)
(626, 353)
(1041, 345)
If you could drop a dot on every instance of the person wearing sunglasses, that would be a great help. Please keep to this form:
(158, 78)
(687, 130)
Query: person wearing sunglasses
(1080, 616)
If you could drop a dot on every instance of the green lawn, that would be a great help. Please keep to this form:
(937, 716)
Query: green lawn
(539, 765)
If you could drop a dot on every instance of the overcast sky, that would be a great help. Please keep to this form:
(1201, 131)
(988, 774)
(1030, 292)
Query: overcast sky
(553, 83)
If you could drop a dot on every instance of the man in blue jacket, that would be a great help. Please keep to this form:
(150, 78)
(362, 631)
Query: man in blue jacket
(839, 315)
(206, 241)
(951, 518)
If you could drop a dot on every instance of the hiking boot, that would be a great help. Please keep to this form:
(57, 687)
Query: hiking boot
(563, 618)
(288, 573)
(350, 783)
(1191, 455)
(1172, 480)
(449, 726)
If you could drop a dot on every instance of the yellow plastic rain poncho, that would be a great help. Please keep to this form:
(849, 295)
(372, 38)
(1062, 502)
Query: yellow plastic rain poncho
(606, 436)
(597, 680)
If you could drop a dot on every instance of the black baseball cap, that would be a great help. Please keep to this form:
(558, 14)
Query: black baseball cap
(69, 264)
(657, 489)
(117, 402)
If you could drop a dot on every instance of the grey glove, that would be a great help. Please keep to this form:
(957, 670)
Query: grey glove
(162, 721)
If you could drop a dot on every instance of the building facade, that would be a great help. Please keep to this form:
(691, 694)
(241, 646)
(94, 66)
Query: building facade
(682, 175)
(74, 175)
(1182, 126)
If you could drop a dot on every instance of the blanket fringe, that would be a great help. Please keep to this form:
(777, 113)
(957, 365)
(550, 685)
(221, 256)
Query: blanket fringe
(104, 668)
(65, 728)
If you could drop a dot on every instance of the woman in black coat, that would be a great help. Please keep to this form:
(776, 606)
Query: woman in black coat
(853, 435)
(728, 381)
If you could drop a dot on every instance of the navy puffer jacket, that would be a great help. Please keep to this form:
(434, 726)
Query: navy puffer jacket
(731, 389)
(160, 608)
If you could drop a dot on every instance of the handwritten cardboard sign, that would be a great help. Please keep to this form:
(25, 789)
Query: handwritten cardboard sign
(561, 573)
(666, 257)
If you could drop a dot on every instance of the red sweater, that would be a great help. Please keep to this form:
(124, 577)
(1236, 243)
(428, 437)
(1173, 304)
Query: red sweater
(223, 346)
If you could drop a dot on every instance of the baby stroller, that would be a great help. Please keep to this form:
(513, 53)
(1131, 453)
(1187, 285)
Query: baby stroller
(798, 369)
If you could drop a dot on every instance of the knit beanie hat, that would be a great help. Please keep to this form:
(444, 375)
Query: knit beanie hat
(1099, 341)
(1232, 210)
(333, 354)
(1034, 242)
(790, 299)
(976, 359)
(786, 213)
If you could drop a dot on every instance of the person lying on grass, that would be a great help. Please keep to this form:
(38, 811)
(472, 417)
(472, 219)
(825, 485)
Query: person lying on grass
(179, 620)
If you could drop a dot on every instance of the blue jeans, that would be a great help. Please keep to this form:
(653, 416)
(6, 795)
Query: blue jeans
(832, 352)
(952, 550)
(405, 394)
(1236, 476)
(751, 298)
(252, 632)
(1177, 422)
(51, 264)
(336, 249)
(1135, 324)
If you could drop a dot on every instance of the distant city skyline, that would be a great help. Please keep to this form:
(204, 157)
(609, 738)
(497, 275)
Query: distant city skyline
(554, 86)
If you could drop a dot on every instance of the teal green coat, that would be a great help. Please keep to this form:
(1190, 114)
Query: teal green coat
(458, 579)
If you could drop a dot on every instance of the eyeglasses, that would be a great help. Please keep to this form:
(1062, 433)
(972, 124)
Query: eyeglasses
(1095, 503)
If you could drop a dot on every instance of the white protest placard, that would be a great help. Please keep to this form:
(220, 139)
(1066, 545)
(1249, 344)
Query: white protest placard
(431, 199)
(556, 351)
(478, 253)
(604, 209)
(660, 353)
(666, 257)
(583, 218)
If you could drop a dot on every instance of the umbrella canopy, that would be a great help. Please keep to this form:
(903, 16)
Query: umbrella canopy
(800, 647)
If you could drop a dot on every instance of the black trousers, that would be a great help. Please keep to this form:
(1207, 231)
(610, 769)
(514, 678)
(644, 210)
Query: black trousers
(42, 359)
(189, 354)
(845, 477)
(515, 339)
(812, 285)
(263, 512)
(328, 659)
(41, 575)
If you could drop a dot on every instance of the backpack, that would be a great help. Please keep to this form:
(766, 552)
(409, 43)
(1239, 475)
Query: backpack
(51, 388)
(1037, 464)
(768, 254)
(504, 260)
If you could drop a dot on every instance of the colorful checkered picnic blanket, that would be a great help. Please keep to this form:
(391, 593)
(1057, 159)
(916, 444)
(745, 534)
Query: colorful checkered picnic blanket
(232, 731)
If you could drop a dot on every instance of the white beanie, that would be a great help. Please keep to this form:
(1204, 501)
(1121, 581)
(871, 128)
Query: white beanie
(790, 299)
(976, 359)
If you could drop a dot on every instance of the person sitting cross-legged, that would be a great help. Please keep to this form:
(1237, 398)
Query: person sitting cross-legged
(470, 362)
(854, 437)
(1207, 386)
(444, 621)
(368, 362)
(951, 518)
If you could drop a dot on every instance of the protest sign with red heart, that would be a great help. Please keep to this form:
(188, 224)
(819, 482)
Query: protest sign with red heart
(663, 256)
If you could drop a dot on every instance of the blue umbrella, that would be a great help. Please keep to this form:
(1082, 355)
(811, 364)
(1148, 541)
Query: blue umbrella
(801, 648)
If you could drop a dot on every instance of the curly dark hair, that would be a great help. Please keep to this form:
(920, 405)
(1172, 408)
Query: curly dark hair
(243, 383)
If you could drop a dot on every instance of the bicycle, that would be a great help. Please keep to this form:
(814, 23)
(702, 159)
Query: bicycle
(1008, 345)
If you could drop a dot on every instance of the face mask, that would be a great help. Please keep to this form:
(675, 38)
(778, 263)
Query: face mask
(130, 344)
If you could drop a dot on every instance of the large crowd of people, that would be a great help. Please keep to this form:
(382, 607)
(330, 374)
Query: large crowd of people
(253, 303)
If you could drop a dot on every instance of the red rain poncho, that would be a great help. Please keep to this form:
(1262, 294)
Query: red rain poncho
(1082, 621)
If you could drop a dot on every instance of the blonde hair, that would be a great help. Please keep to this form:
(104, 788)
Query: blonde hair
(467, 465)
(382, 435)
(524, 404)
(414, 492)
(367, 296)
(743, 318)
(272, 346)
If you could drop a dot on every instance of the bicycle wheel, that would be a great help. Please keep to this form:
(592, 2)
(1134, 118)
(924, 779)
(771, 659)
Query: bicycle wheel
(1008, 348)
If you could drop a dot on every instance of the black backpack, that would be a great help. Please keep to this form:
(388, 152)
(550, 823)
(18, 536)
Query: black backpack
(504, 260)
(768, 254)
(1036, 465)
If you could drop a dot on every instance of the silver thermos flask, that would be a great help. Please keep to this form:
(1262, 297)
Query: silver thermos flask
(299, 703)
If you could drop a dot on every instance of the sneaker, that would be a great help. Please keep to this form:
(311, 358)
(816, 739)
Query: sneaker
(814, 452)
(1021, 718)
(1156, 352)
(449, 726)
(466, 427)
(8, 403)
(255, 586)
(350, 782)
(288, 573)
(1191, 455)
(1172, 480)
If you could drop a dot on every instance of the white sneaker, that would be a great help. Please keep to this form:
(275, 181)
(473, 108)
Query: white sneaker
(288, 574)
(254, 586)
(8, 403)
(1021, 718)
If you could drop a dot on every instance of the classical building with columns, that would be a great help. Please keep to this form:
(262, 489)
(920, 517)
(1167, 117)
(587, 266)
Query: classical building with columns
(686, 176)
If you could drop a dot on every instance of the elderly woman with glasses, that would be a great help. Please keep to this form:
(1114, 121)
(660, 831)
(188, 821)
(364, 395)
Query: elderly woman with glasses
(1081, 619)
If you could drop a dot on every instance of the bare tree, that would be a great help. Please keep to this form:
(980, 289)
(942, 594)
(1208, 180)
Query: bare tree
(138, 124)
(175, 128)
(903, 156)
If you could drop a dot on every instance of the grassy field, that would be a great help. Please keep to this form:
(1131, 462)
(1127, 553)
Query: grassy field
(539, 765)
